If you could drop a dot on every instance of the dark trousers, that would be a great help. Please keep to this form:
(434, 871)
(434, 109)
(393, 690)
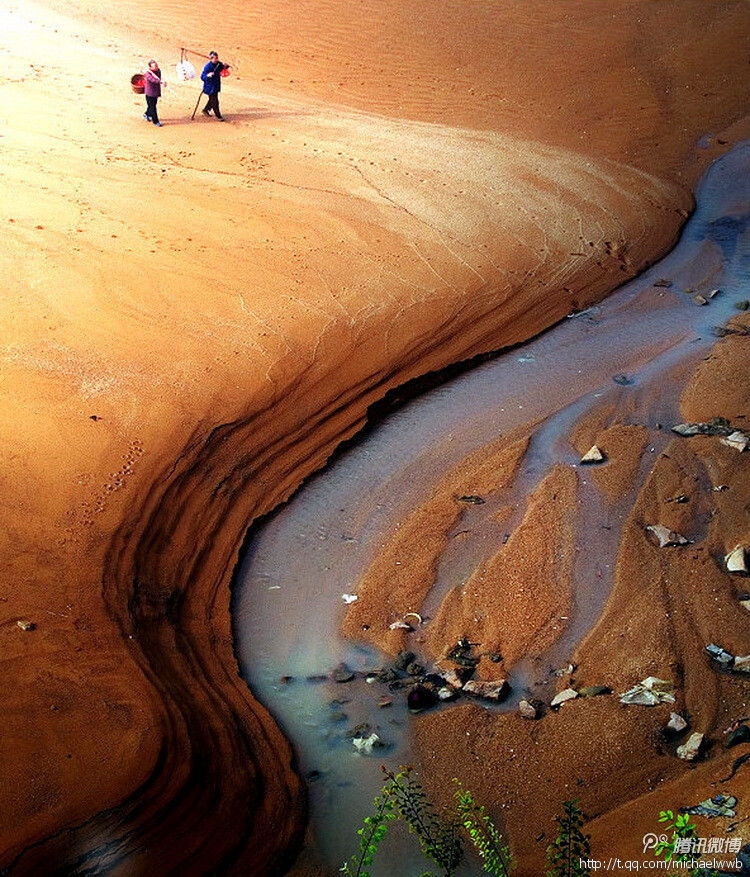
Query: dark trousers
(213, 104)
(151, 113)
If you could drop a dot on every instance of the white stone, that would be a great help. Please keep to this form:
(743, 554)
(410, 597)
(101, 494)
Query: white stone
(742, 664)
(365, 745)
(666, 537)
(495, 690)
(564, 696)
(689, 750)
(676, 723)
(593, 455)
(736, 561)
(737, 440)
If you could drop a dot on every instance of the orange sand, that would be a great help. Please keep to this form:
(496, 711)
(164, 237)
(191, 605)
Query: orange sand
(195, 316)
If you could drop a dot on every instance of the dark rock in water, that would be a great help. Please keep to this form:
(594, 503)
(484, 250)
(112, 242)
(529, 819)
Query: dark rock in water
(387, 674)
(421, 698)
(414, 669)
(342, 674)
(435, 680)
(666, 284)
(472, 499)
(594, 690)
(740, 734)
(742, 305)
(337, 716)
(403, 659)
(623, 380)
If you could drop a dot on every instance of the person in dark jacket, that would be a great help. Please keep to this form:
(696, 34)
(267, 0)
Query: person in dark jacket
(211, 77)
(153, 92)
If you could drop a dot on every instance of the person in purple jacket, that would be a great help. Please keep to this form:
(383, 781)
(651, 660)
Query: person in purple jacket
(153, 92)
(211, 77)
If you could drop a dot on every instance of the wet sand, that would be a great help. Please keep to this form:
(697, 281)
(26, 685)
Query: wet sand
(195, 316)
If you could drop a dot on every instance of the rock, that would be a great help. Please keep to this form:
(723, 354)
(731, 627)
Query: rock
(593, 455)
(742, 305)
(717, 426)
(623, 380)
(26, 625)
(714, 293)
(447, 693)
(529, 709)
(342, 674)
(564, 696)
(471, 499)
(689, 750)
(745, 604)
(403, 659)
(421, 698)
(719, 805)
(649, 692)
(736, 561)
(563, 671)
(737, 440)
(742, 664)
(677, 724)
(365, 745)
(461, 654)
(400, 625)
(385, 701)
(741, 734)
(700, 300)
(594, 691)
(666, 537)
(414, 669)
(387, 675)
(496, 690)
(454, 679)
(666, 284)
(349, 598)
(721, 656)
(687, 429)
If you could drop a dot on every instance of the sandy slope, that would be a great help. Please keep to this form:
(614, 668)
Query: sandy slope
(194, 316)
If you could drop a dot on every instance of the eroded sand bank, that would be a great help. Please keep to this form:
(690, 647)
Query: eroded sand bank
(195, 316)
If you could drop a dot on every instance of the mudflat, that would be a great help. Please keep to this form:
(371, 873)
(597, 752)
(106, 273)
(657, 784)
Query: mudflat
(195, 316)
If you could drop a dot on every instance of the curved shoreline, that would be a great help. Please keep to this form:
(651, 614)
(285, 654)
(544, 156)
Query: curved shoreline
(149, 753)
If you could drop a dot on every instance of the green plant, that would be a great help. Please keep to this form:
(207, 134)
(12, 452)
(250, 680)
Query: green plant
(680, 847)
(682, 828)
(489, 843)
(373, 831)
(568, 854)
(439, 839)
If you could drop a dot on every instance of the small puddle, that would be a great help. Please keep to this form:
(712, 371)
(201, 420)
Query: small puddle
(287, 604)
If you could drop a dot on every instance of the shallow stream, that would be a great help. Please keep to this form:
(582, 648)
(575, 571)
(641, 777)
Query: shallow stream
(633, 350)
